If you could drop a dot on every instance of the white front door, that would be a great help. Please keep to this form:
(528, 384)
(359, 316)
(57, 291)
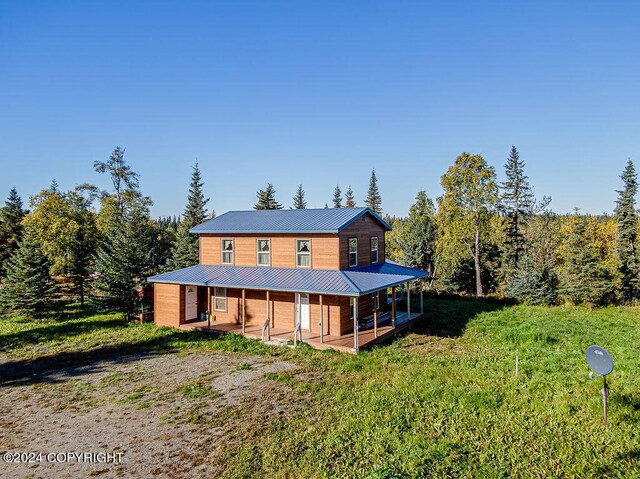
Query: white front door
(191, 303)
(302, 307)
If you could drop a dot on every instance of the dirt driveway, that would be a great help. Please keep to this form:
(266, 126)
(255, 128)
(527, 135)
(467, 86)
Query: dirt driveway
(169, 415)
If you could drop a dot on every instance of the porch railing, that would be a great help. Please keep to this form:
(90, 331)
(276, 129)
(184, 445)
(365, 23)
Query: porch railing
(297, 331)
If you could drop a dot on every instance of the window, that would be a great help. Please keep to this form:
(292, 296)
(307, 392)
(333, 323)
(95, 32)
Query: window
(303, 253)
(352, 308)
(227, 251)
(353, 252)
(264, 252)
(374, 249)
(220, 299)
(375, 301)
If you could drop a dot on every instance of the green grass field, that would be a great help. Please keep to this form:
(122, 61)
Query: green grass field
(442, 401)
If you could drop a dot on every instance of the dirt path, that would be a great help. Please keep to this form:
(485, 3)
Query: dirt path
(165, 413)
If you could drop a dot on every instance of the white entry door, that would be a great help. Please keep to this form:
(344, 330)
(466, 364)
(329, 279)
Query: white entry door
(303, 310)
(190, 303)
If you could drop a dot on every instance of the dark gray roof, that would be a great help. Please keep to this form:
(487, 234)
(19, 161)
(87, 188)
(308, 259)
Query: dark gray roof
(323, 220)
(352, 282)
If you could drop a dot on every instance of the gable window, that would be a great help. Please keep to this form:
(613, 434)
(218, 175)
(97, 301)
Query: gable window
(353, 252)
(303, 253)
(219, 299)
(374, 249)
(227, 251)
(264, 252)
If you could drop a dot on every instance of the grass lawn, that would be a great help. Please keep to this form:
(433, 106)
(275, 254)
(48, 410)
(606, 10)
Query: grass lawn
(442, 401)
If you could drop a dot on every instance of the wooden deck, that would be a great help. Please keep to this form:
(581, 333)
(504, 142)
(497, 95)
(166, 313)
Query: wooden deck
(343, 343)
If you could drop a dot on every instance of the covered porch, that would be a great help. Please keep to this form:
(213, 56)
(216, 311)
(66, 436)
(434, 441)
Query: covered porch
(344, 343)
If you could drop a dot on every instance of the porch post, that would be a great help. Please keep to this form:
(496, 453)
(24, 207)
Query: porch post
(406, 285)
(421, 298)
(268, 309)
(321, 321)
(375, 315)
(393, 307)
(355, 324)
(244, 314)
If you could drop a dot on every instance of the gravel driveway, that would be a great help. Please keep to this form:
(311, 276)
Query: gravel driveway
(168, 415)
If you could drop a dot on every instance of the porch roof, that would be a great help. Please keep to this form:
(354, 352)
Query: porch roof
(352, 282)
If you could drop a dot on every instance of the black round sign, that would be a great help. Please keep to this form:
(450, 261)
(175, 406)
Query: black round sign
(599, 360)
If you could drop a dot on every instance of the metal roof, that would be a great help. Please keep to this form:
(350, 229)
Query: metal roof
(306, 221)
(353, 282)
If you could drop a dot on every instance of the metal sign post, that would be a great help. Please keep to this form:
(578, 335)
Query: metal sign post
(601, 362)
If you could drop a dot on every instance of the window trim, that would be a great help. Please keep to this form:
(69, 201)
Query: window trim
(222, 251)
(375, 301)
(349, 253)
(305, 254)
(216, 298)
(371, 250)
(258, 252)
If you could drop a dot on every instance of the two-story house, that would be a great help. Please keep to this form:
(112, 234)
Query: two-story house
(317, 274)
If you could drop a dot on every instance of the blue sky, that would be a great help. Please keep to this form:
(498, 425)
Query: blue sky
(319, 93)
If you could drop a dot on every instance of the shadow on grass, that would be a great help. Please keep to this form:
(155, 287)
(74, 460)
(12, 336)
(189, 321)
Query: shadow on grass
(67, 365)
(449, 317)
(58, 331)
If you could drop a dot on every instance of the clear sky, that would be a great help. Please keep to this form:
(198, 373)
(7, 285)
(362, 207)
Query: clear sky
(319, 93)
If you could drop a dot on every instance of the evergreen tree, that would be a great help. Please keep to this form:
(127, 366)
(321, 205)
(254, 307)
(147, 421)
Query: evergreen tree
(374, 200)
(627, 235)
(185, 251)
(585, 278)
(337, 197)
(417, 236)
(267, 200)
(517, 204)
(28, 288)
(299, 203)
(125, 258)
(11, 216)
(535, 280)
(349, 199)
(128, 253)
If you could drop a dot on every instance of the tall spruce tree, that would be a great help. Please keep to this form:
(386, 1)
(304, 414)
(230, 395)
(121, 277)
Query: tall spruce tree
(417, 236)
(337, 197)
(585, 278)
(267, 199)
(349, 199)
(517, 204)
(11, 216)
(299, 203)
(374, 200)
(28, 288)
(185, 251)
(128, 253)
(627, 235)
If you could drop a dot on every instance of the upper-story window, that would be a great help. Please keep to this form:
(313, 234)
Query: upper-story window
(374, 249)
(303, 253)
(227, 251)
(264, 252)
(353, 252)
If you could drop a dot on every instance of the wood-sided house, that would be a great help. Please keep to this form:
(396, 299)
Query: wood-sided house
(319, 275)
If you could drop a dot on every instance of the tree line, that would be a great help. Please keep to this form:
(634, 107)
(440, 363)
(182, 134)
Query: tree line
(480, 237)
